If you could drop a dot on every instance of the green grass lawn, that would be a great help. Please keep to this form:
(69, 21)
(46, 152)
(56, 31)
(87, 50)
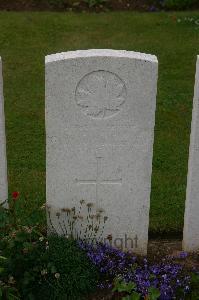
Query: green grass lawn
(25, 38)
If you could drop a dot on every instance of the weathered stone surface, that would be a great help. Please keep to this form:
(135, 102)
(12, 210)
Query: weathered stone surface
(100, 115)
(191, 222)
(3, 163)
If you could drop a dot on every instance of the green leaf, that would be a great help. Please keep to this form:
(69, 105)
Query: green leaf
(194, 279)
(133, 296)
(154, 293)
(31, 297)
(11, 244)
(117, 282)
(130, 287)
(152, 276)
(53, 270)
(1, 270)
(21, 236)
(28, 245)
(122, 286)
(3, 258)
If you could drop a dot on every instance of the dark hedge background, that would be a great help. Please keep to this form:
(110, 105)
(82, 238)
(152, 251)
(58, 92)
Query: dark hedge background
(98, 5)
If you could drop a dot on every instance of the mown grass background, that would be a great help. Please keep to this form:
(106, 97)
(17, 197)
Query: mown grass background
(25, 38)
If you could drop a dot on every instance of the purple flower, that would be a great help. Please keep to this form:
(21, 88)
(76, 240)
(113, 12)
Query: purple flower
(167, 276)
(183, 254)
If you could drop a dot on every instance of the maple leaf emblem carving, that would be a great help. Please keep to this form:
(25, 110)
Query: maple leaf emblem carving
(100, 94)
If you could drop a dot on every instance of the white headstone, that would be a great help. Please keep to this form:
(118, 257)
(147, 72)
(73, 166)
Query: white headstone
(191, 222)
(3, 163)
(100, 115)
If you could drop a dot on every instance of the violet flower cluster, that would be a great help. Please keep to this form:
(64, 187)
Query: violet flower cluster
(166, 276)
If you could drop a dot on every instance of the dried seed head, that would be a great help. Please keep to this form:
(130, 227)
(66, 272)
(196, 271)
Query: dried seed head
(28, 229)
(44, 272)
(98, 215)
(13, 234)
(57, 275)
(67, 210)
(96, 229)
(58, 214)
(100, 210)
(43, 206)
(11, 280)
(105, 219)
(109, 237)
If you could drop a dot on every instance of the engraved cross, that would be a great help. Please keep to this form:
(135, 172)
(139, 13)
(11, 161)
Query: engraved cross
(97, 181)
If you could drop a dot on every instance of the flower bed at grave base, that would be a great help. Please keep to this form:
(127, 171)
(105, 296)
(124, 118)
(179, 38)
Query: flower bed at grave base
(64, 268)
(98, 5)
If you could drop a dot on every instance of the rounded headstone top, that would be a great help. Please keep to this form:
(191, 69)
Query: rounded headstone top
(100, 52)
